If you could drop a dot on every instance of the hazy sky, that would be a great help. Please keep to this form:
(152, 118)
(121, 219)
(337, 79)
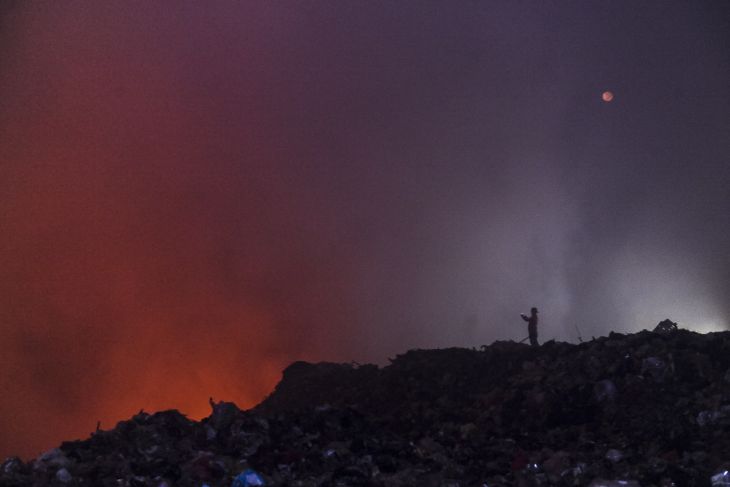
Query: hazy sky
(195, 194)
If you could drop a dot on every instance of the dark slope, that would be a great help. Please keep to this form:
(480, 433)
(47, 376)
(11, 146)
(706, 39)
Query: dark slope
(649, 407)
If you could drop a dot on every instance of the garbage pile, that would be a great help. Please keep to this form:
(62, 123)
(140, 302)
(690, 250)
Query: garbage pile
(644, 409)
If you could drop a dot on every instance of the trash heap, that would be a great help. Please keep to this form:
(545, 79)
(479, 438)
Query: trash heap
(644, 409)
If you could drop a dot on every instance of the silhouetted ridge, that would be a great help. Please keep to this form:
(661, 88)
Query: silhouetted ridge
(650, 408)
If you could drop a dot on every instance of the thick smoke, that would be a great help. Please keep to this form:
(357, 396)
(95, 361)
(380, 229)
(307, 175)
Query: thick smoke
(193, 198)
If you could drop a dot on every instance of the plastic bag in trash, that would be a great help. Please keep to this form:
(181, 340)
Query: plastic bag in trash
(247, 478)
(722, 479)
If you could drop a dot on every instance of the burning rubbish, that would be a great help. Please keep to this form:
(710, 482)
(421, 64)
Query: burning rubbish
(644, 409)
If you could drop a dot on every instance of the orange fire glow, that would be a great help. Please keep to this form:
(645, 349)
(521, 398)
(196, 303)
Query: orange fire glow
(141, 266)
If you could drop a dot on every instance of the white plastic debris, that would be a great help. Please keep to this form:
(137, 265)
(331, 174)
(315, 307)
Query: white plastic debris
(721, 479)
(614, 483)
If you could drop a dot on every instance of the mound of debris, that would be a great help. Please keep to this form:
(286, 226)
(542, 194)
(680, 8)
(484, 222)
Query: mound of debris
(644, 409)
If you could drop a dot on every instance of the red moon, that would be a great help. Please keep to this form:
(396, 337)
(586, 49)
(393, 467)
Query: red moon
(607, 96)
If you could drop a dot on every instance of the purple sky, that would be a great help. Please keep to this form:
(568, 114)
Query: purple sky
(193, 197)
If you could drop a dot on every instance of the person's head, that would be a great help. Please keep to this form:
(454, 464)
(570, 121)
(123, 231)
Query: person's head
(533, 311)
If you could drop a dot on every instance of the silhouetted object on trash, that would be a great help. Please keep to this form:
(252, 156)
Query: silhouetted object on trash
(665, 327)
(532, 326)
(580, 338)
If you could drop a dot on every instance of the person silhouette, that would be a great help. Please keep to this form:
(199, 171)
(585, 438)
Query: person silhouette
(532, 326)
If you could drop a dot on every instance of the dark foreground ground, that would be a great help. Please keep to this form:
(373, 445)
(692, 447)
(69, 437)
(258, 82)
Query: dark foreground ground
(624, 410)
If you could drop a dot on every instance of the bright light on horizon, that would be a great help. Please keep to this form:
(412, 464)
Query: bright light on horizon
(706, 327)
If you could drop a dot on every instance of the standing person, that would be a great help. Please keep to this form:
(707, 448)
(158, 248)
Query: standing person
(532, 326)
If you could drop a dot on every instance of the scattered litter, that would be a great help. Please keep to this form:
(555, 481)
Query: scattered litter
(648, 408)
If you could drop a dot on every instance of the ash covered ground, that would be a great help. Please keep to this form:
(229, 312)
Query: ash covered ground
(651, 408)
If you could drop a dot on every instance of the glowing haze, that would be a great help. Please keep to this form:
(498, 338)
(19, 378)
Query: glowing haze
(193, 197)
